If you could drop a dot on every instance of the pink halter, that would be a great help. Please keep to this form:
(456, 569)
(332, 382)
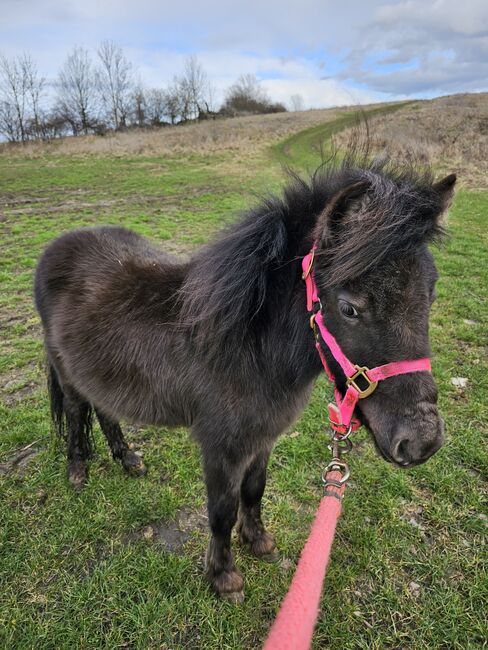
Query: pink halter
(341, 413)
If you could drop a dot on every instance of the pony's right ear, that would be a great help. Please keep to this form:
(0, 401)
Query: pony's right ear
(445, 189)
(340, 205)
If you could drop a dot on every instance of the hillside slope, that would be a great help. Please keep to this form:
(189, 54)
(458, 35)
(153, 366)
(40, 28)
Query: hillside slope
(449, 132)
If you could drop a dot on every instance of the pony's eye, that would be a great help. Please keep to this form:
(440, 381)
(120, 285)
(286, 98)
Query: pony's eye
(347, 309)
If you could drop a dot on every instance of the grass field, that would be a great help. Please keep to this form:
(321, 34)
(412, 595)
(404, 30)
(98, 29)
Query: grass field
(121, 564)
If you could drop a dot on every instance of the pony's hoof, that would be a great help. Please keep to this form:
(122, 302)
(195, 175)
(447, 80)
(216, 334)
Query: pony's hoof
(264, 547)
(271, 557)
(229, 585)
(234, 597)
(77, 474)
(133, 465)
(260, 543)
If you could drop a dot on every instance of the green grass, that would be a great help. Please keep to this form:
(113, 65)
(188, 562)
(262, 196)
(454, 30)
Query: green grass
(305, 148)
(75, 570)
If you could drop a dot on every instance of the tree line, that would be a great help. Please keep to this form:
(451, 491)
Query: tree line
(104, 94)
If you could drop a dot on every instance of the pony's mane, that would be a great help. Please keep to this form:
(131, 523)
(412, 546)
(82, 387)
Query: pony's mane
(234, 282)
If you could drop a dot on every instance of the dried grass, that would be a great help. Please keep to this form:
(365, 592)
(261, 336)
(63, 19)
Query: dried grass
(450, 133)
(212, 136)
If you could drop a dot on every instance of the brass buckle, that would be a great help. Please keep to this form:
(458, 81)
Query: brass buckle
(361, 372)
(307, 272)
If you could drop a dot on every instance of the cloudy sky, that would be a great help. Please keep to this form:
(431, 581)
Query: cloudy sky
(330, 52)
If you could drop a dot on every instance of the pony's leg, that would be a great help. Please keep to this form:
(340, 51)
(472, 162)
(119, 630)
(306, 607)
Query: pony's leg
(78, 415)
(131, 462)
(250, 527)
(223, 481)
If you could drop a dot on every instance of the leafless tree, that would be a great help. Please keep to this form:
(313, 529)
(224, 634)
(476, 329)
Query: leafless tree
(54, 125)
(139, 105)
(77, 92)
(14, 98)
(190, 94)
(21, 90)
(8, 121)
(195, 82)
(115, 82)
(296, 102)
(247, 96)
(246, 89)
(156, 106)
(176, 102)
(35, 86)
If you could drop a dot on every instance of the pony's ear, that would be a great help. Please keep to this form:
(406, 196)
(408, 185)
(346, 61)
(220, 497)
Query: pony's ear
(445, 190)
(342, 203)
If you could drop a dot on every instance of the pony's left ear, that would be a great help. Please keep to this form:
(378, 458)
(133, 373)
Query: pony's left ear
(339, 206)
(445, 189)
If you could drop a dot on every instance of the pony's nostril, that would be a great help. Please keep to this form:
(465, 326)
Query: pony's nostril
(399, 452)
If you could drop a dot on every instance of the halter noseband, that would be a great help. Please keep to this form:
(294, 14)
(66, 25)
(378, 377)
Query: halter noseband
(341, 413)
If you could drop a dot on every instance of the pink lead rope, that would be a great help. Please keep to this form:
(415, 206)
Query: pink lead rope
(294, 625)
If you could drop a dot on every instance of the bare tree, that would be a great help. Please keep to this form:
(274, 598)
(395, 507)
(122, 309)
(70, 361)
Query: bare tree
(192, 90)
(77, 92)
(8, 121)
(115, 82)
(13, 105)
(35, 86)
(139, 103)
(196, 81)
(156, 106)
(245, 92)
(247, 96)
(296, 102)
(54, 125)
(177, 102)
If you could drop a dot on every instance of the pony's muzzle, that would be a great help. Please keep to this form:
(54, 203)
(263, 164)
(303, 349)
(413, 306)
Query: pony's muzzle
(414, 445)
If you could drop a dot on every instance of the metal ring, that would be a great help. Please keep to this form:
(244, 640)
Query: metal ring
(338, 465)
(337, 444)
(343, 436)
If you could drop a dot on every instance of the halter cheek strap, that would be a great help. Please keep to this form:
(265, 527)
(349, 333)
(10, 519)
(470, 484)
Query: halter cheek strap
(361, 381)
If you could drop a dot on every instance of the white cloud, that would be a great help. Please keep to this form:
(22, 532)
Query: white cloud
(291, 76)
(318, 93)
(438, 47)
(468, 18)
(388, 49)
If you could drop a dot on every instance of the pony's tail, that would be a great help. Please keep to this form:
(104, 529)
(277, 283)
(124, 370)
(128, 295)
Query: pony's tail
(58, 414)
(56, 397)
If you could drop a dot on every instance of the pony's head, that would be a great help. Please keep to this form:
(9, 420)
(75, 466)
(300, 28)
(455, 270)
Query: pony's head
(376, 281)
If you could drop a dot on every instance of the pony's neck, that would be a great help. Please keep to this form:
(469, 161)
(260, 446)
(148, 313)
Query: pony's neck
(290, 321)
(243, 296)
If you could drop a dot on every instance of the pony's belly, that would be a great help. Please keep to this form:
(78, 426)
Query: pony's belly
(152, 410)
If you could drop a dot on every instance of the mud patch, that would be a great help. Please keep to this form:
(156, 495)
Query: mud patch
(20, 458)
(19, 393)
(412, 515)
(173, 535)
(17, 384)
(74, 204)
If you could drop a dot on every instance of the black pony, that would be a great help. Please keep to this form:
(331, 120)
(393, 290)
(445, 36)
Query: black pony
(222, 344)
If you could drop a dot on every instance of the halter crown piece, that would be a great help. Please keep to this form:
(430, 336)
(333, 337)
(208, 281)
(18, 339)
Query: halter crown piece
(360, 380)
